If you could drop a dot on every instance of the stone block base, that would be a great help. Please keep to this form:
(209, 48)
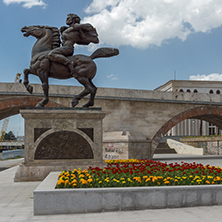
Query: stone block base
(122, 145)
(40, 172)
(58, 139)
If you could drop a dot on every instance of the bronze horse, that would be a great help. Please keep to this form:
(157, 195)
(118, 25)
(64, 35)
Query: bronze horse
(48, 38)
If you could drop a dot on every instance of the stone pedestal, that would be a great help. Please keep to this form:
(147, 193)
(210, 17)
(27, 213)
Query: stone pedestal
(59, 139)
(122, 145)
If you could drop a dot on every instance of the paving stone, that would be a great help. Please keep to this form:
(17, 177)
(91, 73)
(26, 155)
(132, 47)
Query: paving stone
(23, 211)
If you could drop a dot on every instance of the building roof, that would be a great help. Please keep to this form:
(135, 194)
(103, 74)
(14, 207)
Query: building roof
(172, 84)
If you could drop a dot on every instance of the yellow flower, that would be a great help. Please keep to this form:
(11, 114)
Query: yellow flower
(153, 180)
(217, 178)
(74, 181)
(207, 182)
(198, 181)
(58, 182)
(73, 175)
(81, 175)
(129, 180)
(90, 180)
(138, 179)
(166, 182)
(100, 181)
(83, 181)
(147, 180)
(66, 182)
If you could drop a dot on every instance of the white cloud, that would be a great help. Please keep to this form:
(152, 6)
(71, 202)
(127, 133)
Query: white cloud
(141, 23)
(210, 77)
(112, 77)
(26, 3)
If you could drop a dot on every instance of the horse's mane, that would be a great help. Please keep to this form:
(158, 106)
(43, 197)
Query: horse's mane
(56, 36)
(55, 33)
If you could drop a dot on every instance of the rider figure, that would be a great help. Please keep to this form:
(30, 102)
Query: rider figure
(70, 35)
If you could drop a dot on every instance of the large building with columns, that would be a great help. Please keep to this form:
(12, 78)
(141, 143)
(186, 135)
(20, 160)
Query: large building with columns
(192, 127)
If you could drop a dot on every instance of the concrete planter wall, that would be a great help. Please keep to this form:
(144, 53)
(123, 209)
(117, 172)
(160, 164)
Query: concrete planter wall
(48, 200)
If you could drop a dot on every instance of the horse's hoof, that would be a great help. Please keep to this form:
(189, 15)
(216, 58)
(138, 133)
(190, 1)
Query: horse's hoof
(88, 104)
(75, 103)
(39, 105)
(30, 89)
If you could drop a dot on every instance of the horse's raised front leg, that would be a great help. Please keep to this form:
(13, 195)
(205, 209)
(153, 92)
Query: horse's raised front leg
(45, 86)
(26, 80)
(88, 89)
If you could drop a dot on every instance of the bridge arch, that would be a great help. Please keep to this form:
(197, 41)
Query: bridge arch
(11, 106)
(211, 114)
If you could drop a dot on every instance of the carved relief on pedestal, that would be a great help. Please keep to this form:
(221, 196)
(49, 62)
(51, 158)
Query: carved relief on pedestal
(63, 145)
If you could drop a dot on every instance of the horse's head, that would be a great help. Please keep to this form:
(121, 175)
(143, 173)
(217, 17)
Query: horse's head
(47, 37)
(34, 30)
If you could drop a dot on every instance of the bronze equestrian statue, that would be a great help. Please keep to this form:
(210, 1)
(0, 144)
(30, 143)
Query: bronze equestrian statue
(49, 60)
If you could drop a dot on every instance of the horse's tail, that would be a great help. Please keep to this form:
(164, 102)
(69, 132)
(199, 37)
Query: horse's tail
(104, 52)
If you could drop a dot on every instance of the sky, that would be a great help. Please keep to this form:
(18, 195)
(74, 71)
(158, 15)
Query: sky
(158, 40)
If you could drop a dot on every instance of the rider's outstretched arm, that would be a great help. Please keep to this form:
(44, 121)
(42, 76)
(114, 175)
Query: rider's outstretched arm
(86, 27)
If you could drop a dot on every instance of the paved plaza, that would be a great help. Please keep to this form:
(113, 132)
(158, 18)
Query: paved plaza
(16, 200)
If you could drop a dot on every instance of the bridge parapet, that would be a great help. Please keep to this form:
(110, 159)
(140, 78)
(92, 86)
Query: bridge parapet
(65, 91)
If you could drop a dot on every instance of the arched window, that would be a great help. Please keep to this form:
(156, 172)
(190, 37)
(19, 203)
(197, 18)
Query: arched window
(188, 91)
(218, 91)
(181, 90)
(195, 91)
(211, 91)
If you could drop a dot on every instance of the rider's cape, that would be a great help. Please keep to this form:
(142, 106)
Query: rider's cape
(90, 35)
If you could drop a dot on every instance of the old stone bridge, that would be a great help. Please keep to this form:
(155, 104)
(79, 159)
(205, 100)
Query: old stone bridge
(146, 115)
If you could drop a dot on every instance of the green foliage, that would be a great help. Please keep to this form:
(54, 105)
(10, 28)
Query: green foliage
(9, 136)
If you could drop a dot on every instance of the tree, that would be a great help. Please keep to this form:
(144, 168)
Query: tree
(9, 136)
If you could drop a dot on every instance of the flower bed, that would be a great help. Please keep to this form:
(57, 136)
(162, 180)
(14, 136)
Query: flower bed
(134, 173)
